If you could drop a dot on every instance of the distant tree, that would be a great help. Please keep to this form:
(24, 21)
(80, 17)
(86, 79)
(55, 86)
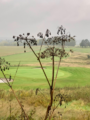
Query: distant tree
(82, 43)
(89, 44)
(85, 43)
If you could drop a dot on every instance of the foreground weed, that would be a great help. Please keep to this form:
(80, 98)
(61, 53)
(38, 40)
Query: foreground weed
(3, 66)
(49, 52)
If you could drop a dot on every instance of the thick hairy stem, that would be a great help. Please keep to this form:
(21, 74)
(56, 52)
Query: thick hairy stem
(51, 90)
(50, 104)
(56, 77)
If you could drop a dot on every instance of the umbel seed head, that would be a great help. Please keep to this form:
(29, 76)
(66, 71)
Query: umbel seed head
(47, 33)
(13, 36)
(28, 34)
(40, 35)
(20, 35)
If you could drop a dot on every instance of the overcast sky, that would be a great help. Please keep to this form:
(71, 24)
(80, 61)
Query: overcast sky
(22, 16)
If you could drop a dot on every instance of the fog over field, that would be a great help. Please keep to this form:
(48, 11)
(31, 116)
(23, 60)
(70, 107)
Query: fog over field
(36, 16)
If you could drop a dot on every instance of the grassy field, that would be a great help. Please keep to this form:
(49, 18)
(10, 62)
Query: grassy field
(73, 81)
(31, 77)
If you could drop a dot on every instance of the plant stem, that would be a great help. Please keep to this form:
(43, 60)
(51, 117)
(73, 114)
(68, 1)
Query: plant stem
(51, 89)
(56, 74)
(19, 103)
(40, 63)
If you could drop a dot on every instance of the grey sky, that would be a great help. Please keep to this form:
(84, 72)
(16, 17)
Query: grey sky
(22, 16)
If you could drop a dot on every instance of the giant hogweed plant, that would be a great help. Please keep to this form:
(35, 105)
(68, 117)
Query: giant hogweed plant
(51, 52)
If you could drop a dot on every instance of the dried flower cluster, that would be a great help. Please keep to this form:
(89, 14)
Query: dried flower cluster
(52, 51)
(26, 40)
(57, 39)
(3, 64)
(61, 97)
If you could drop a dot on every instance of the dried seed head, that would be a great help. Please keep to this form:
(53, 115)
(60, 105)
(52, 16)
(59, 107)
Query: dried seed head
(28, 34)
(40, 35)
(20, 35)
(47, 33)
(13, 36)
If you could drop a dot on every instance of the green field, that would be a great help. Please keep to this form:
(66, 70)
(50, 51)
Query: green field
(31, 78)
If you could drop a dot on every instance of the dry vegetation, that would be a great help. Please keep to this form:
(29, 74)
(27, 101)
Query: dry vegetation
(38, 103)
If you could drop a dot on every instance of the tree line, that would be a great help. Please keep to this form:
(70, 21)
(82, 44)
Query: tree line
(39, 42)
(71, 43)
(84, 43)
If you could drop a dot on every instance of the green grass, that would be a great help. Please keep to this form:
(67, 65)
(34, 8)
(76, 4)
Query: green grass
(30, 78)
